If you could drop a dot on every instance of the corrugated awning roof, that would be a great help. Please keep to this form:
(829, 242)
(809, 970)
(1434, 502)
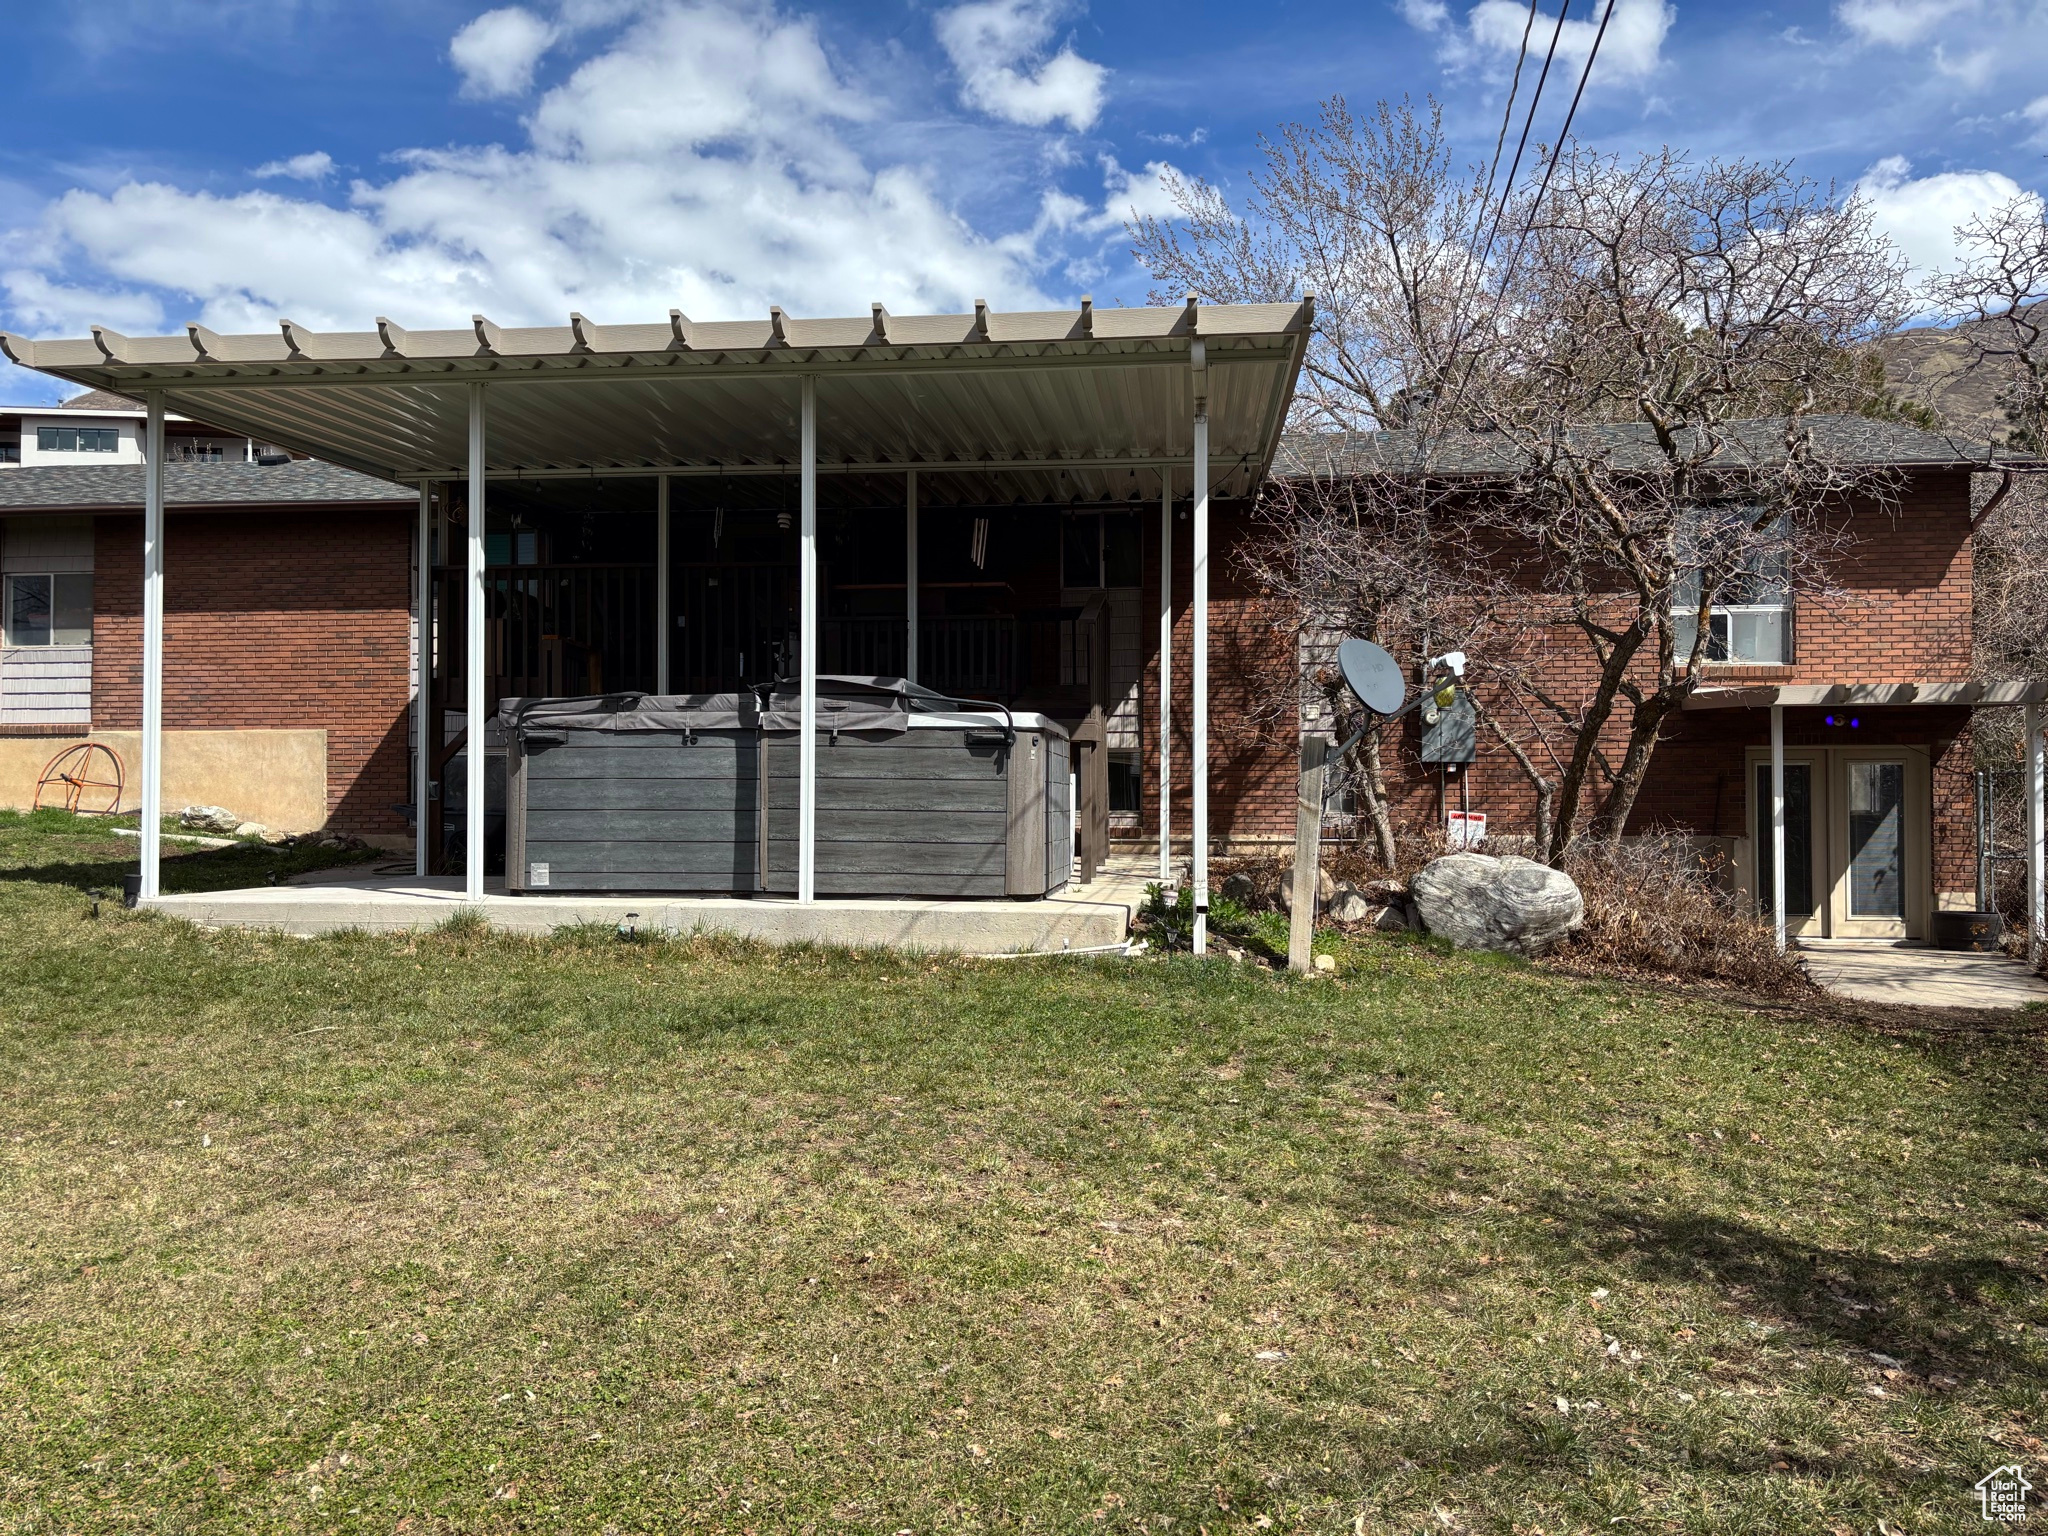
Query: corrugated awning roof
(118, 487)
(1977, 694)
(1047, 405)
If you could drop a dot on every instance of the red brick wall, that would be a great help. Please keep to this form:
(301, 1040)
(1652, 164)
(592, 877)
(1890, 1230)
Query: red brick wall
(279, 617)
(1253, 747)
(1903, 616)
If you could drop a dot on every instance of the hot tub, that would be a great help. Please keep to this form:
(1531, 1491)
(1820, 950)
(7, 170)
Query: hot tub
(918, 794)
(921, 795)
(633, 792)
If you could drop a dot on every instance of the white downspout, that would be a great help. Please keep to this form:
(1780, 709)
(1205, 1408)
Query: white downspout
(1778, 823)
(807, 657)
(1166, 677)
(150, 818)
(1200, 679)
(473, 661)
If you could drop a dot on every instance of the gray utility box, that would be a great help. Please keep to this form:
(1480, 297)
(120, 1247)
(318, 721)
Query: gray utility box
(921, 796)
(633, 793)
(918, 795)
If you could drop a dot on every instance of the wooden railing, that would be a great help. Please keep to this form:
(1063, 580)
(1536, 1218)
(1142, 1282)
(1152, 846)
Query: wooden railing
(977, 656)
(552, 630)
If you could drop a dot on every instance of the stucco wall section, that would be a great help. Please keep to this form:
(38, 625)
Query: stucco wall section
(276, 777)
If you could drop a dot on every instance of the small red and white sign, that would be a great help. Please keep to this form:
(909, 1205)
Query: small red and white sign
(1465, 829)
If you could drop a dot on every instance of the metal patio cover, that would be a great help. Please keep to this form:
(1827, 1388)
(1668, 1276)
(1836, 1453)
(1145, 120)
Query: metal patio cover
(1049, 404)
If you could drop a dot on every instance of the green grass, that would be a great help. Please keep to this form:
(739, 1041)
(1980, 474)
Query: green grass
(472, 1233)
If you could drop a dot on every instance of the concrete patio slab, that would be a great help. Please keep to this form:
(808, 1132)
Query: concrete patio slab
(1922, 978)
(1093, 917)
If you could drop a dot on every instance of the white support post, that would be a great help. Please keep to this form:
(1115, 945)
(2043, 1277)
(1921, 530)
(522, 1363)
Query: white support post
(910, 575)
(2037, 851)
(1199, 682)
(423, 663)
(807, 658)
(149, 819)
(1166, 677)
(474, 661)
(664, 622)
(1778, 823)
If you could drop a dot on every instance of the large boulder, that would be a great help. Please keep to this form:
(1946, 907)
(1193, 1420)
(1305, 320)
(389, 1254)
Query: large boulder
(209, 818)
(1481, 902)
(1326, 890)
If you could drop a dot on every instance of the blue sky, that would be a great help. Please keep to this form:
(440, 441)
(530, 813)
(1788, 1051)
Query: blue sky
(234, 161)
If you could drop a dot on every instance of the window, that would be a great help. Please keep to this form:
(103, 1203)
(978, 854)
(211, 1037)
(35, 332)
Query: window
(78, 439)
(1750, 620)
(1102, 549)
(49, 610)
(1126, 784)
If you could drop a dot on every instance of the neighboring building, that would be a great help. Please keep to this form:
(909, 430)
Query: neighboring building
(289, 622)
(1876, 687)
(97, 429)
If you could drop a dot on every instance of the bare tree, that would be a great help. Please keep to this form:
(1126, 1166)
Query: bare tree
(1999, 294)
(1998, 297)
(1665, 334)
(1370, 215)
(1634, 373)
(1374, 553)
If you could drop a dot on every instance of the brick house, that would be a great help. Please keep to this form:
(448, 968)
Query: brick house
(650, 523)
(1874, 686)
(289, 623)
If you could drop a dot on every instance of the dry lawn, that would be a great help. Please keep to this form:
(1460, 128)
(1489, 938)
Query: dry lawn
(470, 1233)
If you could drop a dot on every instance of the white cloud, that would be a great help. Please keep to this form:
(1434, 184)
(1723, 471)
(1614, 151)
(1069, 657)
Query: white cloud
(1424, 15)
(1631, 50)
(1898, 23)
(1921, 214)
(2036, 113)
(998, 47)
(702, 158)
(317, 166)
(1132, 195)
(498, 51)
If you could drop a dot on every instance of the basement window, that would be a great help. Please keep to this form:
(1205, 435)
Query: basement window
(49, 610)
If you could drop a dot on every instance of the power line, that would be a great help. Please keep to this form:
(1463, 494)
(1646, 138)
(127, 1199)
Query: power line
(1565, 132)
(1528, 122)
(1477, 271)
(1508, 112)
(1543, 190)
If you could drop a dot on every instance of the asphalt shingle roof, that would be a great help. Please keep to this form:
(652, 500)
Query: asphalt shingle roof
(1858, 440)
(86, 487)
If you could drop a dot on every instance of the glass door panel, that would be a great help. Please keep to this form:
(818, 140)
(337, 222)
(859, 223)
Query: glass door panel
(1877, 856)
(1799, 824)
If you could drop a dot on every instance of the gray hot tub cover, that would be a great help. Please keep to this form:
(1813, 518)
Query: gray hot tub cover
(685, 712)
(844, 704)
(851, 703)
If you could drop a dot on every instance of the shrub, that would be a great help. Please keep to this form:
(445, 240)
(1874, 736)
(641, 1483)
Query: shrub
(1660, 905)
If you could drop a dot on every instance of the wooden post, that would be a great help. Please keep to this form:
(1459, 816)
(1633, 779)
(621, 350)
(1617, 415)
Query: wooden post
(1308, 847)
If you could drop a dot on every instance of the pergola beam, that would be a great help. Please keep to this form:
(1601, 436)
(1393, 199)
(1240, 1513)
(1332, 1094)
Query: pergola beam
(577, 368)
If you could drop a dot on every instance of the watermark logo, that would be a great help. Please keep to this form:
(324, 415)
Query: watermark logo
(2002, 1493)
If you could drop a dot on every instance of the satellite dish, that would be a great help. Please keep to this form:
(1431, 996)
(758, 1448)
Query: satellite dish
(1373, 675)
